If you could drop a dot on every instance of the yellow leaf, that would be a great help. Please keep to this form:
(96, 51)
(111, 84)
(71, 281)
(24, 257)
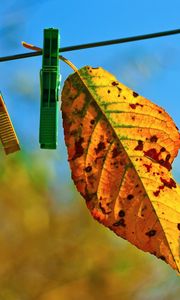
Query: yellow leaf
(120, 149)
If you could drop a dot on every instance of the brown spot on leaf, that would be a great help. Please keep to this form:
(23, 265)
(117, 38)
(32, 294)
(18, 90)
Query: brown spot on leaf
(156, 193)
(88, 169)
(130, 197)
(139, 104)
(151, 233)
(115, 152)
(168, 157)
(161, 187)
(165, 164)
(135, 94)
(170, 184)
(153, 139)
(114, 83)
(121, 222)
(163, 149)
(79, 150)
(92, 121)
(152, 153)
(108, 91)
(139, 146)
(162, 257)
(100, 146)
(121, 213)
(178, 226)
(102, 208)
(89, 196)
(122, 162)
(148, 167)
(133, 106)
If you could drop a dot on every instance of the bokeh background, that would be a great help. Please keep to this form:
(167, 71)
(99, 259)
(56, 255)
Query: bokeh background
(50, 247)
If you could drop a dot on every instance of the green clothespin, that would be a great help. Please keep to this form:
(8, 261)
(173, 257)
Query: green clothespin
(50, 81)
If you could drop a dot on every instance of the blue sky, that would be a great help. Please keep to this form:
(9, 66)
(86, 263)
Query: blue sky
(150, 67)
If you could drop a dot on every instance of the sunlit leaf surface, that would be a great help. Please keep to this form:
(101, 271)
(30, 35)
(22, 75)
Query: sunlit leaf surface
(121, 147)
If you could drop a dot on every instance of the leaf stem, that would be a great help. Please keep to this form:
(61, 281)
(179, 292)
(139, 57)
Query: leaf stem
(35, 48)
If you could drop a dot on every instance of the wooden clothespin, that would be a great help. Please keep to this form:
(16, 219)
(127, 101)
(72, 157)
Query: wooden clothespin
(7, 133)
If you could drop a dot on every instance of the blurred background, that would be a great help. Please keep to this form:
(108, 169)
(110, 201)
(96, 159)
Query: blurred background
(50, 247)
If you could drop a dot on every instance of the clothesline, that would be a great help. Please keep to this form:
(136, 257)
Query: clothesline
(95, 44)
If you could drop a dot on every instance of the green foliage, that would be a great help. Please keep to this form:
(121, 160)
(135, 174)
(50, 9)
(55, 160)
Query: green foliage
(53, 250)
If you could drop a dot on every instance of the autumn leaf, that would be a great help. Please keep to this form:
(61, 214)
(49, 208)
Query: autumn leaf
(120, 148)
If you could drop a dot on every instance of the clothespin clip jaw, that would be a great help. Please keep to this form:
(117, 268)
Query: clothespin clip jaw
(8, 135)
(50, 82)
